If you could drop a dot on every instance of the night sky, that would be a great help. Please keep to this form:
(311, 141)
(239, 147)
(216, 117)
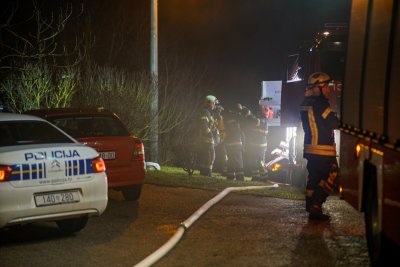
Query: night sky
(243, 42)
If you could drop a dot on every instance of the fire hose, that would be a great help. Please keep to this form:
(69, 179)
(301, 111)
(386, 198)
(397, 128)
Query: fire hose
(163, 250)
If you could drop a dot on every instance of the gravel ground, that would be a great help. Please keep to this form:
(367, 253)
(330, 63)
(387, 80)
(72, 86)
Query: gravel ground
(244, 230)
(240, 230)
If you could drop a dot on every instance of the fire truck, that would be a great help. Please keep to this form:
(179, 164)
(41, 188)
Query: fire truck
(370, 126)
(363, 58)
(325, 51)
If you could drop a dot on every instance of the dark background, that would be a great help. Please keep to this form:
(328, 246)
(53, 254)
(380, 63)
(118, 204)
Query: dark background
(231, 46)
(241, 43)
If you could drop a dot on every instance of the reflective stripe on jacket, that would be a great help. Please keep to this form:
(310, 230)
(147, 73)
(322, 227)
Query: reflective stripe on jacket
(319, 122)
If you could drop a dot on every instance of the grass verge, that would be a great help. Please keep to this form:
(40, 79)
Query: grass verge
(177, 177)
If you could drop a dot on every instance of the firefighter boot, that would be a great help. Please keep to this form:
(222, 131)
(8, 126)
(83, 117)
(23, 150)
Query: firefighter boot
(240, 175)
(308, 203)
(316, 214)
(315, 209)
(309, 199)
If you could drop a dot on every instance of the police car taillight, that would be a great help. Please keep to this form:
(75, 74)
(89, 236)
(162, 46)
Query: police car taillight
(138, 151)
(5, 172)
(98, 165)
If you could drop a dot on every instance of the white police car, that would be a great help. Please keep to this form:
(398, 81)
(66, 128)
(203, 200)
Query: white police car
(46, 175)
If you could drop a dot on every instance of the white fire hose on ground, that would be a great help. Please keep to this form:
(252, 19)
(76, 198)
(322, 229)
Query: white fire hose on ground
(163, 250)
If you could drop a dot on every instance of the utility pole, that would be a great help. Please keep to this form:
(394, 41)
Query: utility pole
(154, 81)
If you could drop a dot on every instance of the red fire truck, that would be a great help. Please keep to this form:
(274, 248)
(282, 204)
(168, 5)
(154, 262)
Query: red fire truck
(370, 126)
(364, 60)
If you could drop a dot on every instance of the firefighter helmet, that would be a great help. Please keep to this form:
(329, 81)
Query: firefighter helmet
(318, 79)
(211, 99)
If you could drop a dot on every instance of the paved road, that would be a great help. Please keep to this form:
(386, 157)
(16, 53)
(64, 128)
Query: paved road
(240, 230)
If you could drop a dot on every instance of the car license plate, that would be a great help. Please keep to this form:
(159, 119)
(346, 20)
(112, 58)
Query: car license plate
(107, 155)
(56, 198)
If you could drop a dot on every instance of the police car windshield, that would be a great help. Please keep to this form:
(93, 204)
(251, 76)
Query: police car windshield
(30, 132)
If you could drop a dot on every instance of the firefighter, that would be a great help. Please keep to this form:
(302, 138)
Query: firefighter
(234, 145)
(256, 142)
(319, 122)
(220, 163)
(208, 136)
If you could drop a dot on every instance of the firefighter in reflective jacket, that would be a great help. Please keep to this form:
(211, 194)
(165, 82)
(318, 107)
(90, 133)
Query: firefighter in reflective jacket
(319, 122)
(256, 142)
(233, 142)
(208, 137)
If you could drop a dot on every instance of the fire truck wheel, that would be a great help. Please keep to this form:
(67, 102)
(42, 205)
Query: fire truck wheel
(381, 249)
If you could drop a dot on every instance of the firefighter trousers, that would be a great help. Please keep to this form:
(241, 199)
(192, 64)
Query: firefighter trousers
(235, 162)
(205, 158)
(322, 179)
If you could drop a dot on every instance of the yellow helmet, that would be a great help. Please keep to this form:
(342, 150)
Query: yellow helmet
(318, 79)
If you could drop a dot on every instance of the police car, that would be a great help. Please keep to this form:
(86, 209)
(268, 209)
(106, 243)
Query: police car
(46, 175)
(104, 131)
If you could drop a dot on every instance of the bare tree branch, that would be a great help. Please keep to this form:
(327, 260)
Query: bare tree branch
(38, 45)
